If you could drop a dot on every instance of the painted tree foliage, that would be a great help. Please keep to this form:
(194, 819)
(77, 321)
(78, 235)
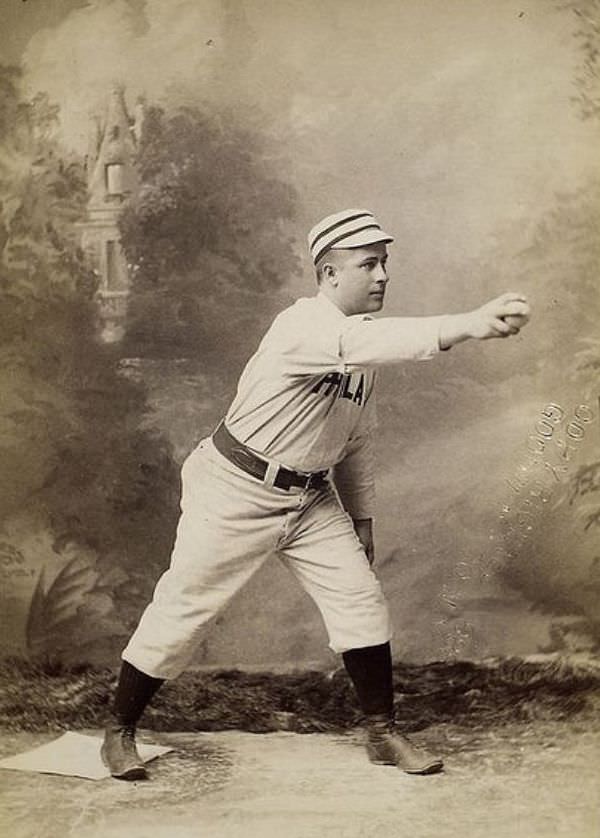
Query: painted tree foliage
(207, 241)
(75, 463)
(207, 236)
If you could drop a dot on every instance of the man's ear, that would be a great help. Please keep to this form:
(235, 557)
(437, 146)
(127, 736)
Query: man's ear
(329, 272)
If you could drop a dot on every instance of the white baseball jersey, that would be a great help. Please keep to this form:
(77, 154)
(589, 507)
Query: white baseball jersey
(305, 399)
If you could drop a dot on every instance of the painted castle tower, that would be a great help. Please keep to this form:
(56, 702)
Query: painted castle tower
(112, 179)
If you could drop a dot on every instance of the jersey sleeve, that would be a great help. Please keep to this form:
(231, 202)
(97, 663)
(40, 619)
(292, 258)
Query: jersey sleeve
(354, 475)
(313, 345)
(365, 342)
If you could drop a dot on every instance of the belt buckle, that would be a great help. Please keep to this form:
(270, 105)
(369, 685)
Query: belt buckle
(314, 480)
(244, 460)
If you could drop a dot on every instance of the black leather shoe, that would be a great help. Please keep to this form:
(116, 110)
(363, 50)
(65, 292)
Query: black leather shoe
(120, 755)
(385, 746)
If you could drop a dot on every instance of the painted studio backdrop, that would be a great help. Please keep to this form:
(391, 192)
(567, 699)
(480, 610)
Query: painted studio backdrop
(160, 164)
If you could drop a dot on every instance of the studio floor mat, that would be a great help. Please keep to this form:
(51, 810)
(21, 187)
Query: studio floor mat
(73, 755)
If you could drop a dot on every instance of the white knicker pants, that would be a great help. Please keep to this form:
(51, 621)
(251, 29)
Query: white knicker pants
(230, 523)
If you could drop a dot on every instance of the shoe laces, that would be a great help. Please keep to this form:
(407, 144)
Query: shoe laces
(384, 723)
(381, 728)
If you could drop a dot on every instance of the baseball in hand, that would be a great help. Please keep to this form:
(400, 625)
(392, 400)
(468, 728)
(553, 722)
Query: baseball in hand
(516, 321)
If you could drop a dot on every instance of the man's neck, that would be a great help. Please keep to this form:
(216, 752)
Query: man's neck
(329, 295)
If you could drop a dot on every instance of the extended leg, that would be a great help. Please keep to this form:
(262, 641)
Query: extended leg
(228, 527)
(119, 753)
(223, 536)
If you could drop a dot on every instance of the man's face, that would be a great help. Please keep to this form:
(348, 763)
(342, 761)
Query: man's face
(359, 277)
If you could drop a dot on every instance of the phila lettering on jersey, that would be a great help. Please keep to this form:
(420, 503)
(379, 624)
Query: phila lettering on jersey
(342, 386)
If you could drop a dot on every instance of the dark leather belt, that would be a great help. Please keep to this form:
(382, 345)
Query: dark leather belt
(242, 457)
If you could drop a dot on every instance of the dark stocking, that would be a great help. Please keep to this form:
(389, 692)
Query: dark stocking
(134, 691)
(370, 669)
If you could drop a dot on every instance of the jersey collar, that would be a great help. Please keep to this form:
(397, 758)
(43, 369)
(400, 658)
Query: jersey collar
(329, 306)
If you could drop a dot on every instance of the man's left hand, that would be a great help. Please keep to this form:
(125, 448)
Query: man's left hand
(364, 530)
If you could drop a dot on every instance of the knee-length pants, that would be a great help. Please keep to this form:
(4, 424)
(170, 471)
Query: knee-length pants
(230, 522)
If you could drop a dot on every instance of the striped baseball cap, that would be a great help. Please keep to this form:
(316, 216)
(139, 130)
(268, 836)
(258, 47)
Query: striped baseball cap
(350, 228)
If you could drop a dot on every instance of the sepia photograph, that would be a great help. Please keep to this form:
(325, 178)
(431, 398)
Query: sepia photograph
(299, 419)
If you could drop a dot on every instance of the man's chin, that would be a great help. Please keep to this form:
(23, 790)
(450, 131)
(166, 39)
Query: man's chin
(371, 305)
(375, 303)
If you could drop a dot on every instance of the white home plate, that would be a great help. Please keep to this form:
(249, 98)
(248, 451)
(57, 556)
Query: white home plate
(73, 755)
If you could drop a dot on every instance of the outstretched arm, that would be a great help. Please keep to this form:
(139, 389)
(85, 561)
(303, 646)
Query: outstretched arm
(487, 321)
(389, 340)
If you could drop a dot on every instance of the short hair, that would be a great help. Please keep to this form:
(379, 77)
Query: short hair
(327, 258)
(336, 256)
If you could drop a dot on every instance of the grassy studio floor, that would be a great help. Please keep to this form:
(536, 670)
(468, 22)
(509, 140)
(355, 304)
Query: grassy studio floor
(45, 698)
(520, 739)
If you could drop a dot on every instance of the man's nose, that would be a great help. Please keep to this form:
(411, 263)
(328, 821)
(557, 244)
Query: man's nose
(381, 274)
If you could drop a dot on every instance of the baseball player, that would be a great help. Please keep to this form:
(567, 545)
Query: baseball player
(290, 470)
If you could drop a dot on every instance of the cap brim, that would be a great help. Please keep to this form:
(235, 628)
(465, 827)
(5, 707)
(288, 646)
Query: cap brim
(362, 239)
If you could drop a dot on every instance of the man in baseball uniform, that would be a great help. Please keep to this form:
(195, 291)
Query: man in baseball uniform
(290, 470)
